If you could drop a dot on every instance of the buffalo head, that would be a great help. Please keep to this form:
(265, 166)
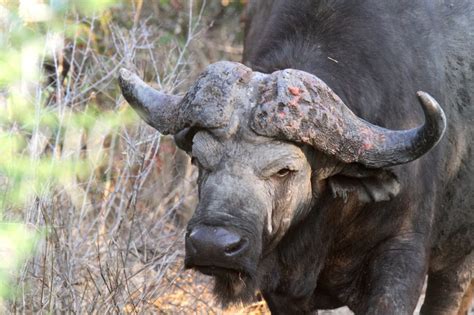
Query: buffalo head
(268, 146)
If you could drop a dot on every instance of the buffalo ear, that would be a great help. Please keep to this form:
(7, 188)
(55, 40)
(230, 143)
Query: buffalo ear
(368, 184)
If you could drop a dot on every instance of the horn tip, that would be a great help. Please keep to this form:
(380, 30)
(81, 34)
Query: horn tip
(428, 101)
(433, 109)
(125, 74)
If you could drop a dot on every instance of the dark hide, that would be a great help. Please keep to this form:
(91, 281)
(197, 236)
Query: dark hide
(362, 244)
(319, 185)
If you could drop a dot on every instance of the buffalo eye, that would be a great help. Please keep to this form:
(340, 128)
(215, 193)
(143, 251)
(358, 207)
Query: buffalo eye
(283, 172)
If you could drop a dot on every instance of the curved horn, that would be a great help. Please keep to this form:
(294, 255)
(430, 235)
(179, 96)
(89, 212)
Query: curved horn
(298, 106)
(157, 109)
(401, 147)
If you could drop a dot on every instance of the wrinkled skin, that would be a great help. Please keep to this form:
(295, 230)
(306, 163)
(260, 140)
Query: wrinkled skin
(263, 188)
(274, 190)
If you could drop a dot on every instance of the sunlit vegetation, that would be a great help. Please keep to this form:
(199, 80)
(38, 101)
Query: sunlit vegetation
(38, 125)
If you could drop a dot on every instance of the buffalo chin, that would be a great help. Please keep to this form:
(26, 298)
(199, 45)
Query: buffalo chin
(234, 281)
(234, 287)
(231, 286)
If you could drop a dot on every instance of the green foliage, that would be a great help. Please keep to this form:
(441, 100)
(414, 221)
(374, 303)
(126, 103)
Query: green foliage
(35, 153)
(16, 244)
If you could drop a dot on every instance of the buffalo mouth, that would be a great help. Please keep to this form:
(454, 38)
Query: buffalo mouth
(218, 271)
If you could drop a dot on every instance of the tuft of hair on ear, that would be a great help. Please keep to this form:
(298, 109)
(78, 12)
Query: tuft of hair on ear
(369, 185)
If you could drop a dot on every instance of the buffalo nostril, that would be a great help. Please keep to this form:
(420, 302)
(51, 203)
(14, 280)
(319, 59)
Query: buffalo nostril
(236, 247)
(214, 243)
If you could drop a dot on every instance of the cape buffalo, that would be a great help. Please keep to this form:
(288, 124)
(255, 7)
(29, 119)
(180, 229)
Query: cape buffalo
(321, 181)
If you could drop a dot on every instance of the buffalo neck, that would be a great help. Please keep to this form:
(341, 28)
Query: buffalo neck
(301, 254)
